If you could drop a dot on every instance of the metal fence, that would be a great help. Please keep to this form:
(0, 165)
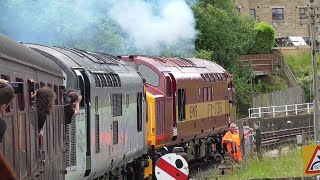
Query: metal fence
(284, 110)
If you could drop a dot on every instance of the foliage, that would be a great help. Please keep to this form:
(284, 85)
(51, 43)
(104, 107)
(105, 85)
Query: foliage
(244, 87)
(223, 36)
(264, 39)
(272, 83)
(286, 165)
(203, 54)
(222, 31)
(301, 66)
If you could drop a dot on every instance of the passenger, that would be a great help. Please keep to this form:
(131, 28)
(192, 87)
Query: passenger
(6, 96)
(45, 98)
(72, 105)
(232, 138)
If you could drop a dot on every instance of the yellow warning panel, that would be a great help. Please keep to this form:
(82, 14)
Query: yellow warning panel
(311, 159)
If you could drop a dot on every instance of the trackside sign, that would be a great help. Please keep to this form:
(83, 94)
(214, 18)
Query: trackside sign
(311, 159)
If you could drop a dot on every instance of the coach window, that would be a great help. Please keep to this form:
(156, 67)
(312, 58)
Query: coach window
(150, 75)
(277, 14)
(56, 91)
(182, 104)
(5, 77)
(20, 96)
(42, 84)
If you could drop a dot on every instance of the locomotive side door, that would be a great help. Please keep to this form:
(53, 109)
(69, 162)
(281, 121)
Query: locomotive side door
(77, 134)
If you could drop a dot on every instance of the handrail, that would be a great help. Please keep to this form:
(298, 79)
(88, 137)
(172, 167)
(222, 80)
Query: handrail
(284, 110)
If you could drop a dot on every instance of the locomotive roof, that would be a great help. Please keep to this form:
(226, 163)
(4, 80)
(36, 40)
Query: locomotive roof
(22, 54)
(93, 61)
(183, 65)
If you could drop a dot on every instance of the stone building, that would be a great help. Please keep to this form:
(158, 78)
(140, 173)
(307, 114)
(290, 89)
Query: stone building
(288, 17)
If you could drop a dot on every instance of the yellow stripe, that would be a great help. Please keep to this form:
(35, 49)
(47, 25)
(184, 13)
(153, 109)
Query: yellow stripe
(206, 109)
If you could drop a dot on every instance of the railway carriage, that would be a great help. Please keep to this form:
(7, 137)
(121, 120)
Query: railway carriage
(20, 145)
(108, 137)
(188, 105)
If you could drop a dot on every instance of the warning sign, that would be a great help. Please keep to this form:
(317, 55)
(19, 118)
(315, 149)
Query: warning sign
(171, 167)
(311, 159)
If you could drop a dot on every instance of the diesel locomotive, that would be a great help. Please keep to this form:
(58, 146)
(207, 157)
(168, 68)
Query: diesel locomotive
(134, 110)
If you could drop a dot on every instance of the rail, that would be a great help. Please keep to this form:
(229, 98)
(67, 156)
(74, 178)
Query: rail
(278, 111)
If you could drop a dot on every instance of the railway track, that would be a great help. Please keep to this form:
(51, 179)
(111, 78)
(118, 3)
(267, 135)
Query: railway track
(274, 138)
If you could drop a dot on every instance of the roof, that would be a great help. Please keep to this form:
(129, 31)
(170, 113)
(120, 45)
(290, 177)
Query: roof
(17, 52)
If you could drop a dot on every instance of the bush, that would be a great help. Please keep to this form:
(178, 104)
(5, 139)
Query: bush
(264, 39)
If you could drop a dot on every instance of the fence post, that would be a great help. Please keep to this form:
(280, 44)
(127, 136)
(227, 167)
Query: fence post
(308, 108)
(258, 142)
(296, 107)
(273, 113)
(286, 110)
(259, 111)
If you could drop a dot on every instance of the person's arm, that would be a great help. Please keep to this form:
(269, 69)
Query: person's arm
(247, 132)
(77, 108)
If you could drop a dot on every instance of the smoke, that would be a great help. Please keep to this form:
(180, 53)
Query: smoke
(116, 27)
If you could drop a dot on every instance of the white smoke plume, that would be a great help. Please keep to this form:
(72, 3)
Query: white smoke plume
(172, 23)
(112, 26)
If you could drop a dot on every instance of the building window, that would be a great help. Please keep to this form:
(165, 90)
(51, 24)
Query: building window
(277, 14)
(302, 13)
(253, 13)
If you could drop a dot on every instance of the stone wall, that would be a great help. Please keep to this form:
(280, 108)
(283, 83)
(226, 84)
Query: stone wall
(291, 25)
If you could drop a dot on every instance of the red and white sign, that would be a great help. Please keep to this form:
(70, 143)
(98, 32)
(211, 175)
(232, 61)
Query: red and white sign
(171, 167)
(314, 163)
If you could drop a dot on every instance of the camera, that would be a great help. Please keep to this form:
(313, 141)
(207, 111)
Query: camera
(17, 86)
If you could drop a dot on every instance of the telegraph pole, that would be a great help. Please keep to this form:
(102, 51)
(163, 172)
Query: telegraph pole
(315, 79)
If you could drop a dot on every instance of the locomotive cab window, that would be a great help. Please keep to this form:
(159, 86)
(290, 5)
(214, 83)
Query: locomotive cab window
(182, 104)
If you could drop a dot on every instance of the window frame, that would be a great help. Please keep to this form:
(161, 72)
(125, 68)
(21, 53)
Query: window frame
(276, 15)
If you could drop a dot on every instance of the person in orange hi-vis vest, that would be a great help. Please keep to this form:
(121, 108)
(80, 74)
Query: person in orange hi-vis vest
(232, 138)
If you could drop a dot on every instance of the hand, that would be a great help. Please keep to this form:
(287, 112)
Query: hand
(250, 129)
(40, 134)
(79, 98)
(231, 140)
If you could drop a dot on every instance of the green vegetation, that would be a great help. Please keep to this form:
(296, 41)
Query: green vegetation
(223, 36)
(264, 38)
(301, 66)
(286, 165)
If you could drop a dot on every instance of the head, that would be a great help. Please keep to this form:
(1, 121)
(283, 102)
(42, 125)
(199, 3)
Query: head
(72, 95)
(45, 100)
(233, 127)
(6, 94)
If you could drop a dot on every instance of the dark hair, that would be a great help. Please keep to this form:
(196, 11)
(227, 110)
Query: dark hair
(45, 100)
(71, 95)
(6, 92)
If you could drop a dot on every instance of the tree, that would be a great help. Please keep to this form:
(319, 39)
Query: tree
(222, 31)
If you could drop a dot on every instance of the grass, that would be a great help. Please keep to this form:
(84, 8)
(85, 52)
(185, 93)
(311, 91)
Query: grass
(286, 165)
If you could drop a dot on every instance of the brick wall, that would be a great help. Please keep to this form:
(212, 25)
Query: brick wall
(291, 25)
